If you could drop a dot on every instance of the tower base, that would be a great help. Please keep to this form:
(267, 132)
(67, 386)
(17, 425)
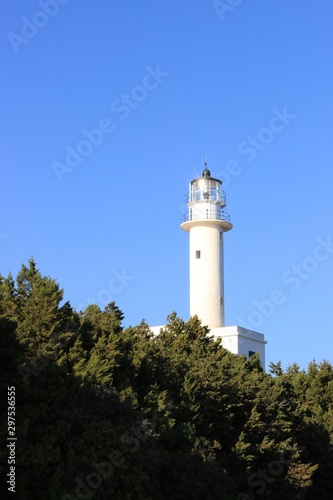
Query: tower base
(235, 339)
(239, 340)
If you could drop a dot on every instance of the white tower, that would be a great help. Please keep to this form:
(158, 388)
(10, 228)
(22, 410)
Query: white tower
(206, 221)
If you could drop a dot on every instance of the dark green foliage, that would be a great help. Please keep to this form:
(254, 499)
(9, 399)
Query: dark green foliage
(106, 412)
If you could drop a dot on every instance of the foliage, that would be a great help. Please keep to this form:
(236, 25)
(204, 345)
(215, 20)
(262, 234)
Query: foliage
(108, 412)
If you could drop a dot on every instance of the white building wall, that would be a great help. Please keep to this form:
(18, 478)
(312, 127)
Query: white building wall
(156, 329)
(239, 340)
(235, 339)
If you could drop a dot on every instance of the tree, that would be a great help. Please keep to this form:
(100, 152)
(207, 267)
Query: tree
(116, 412)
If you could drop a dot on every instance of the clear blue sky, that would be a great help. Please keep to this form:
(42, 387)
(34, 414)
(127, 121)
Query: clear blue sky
(167, 83)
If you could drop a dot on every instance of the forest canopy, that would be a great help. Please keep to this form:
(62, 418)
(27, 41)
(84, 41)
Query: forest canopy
(108, 412)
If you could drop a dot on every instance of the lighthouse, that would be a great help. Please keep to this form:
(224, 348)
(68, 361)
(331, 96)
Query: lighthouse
(206, 221)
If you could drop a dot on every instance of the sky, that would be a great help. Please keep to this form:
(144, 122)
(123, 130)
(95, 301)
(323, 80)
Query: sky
(109, 110)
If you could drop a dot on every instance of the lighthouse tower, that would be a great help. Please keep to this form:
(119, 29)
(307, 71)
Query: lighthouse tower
(206, 221)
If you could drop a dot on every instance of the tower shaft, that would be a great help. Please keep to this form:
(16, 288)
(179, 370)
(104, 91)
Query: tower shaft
(206, 274)
(206, 221)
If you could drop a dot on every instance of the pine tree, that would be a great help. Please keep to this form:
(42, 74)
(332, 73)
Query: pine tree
(169, 417)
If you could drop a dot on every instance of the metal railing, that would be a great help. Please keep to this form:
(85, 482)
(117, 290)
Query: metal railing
(206, 215)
